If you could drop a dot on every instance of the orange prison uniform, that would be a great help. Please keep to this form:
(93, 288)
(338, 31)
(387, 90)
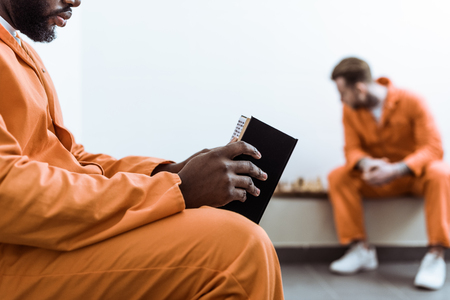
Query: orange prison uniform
(75, 225)
(407, 133)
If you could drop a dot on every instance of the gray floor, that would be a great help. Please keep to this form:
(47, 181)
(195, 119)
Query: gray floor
(392, 280)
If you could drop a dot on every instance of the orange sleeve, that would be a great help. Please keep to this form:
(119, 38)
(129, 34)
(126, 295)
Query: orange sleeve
(427, 137)
(49, 207)
(352, 148)
(111, 166)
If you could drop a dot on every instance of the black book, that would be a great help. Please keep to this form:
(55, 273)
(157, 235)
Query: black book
(276, 148)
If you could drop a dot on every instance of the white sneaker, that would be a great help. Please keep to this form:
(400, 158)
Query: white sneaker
(357, 258)
(431, 274)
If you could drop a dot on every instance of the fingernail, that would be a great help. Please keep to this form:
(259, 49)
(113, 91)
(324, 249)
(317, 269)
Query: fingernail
(258, 192)
(258, 153)
(264, 174)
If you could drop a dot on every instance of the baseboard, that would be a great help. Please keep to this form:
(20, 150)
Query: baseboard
(328, 254)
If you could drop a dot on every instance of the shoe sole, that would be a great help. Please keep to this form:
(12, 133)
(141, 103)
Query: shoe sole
(365, 269)
(424, 287)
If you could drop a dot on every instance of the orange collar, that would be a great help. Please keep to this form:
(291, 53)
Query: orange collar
(392, 94)
(9, 40)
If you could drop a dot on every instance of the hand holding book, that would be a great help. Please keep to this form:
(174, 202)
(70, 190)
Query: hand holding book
(215, 179)
(276, 148)
(221, 175)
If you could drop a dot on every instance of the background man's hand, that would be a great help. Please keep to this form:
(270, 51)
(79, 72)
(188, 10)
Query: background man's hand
(381, 171)
(213, 178)
(370, 164)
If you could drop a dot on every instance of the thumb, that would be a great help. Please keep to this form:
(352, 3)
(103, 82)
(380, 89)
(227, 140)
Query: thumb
(233, 140)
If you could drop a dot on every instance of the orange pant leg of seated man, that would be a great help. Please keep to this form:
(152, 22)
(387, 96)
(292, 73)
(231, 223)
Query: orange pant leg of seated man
(201, 253)
(346, 187)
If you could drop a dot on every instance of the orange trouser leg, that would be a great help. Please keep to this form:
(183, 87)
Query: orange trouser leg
(345, 196)
(435, 186)
(346, 189)
(201, 253)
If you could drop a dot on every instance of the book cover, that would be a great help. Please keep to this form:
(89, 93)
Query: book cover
(276, 148)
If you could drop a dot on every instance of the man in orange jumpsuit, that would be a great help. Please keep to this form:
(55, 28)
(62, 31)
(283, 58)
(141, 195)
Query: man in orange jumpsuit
(392, 147)
(75, 225)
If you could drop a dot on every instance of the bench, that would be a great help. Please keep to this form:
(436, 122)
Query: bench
(308, 222)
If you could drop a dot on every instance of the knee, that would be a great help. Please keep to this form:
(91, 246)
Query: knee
(233, 229)
(437, 170)
(238, 241)
(237, 228)
(338, 177)
(243, 249)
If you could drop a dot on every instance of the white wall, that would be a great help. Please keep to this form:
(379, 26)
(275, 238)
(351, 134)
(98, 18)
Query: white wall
(168, 78)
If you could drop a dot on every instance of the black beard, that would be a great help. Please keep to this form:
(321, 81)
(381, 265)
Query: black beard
(371, 101)
(30, 18)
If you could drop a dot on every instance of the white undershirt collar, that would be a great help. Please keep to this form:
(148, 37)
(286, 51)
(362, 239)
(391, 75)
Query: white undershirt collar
(10, 29)
(7, 26)
(377, 111)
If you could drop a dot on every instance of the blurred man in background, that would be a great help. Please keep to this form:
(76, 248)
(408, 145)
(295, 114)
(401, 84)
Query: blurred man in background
(76, 225)
(392, 147)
